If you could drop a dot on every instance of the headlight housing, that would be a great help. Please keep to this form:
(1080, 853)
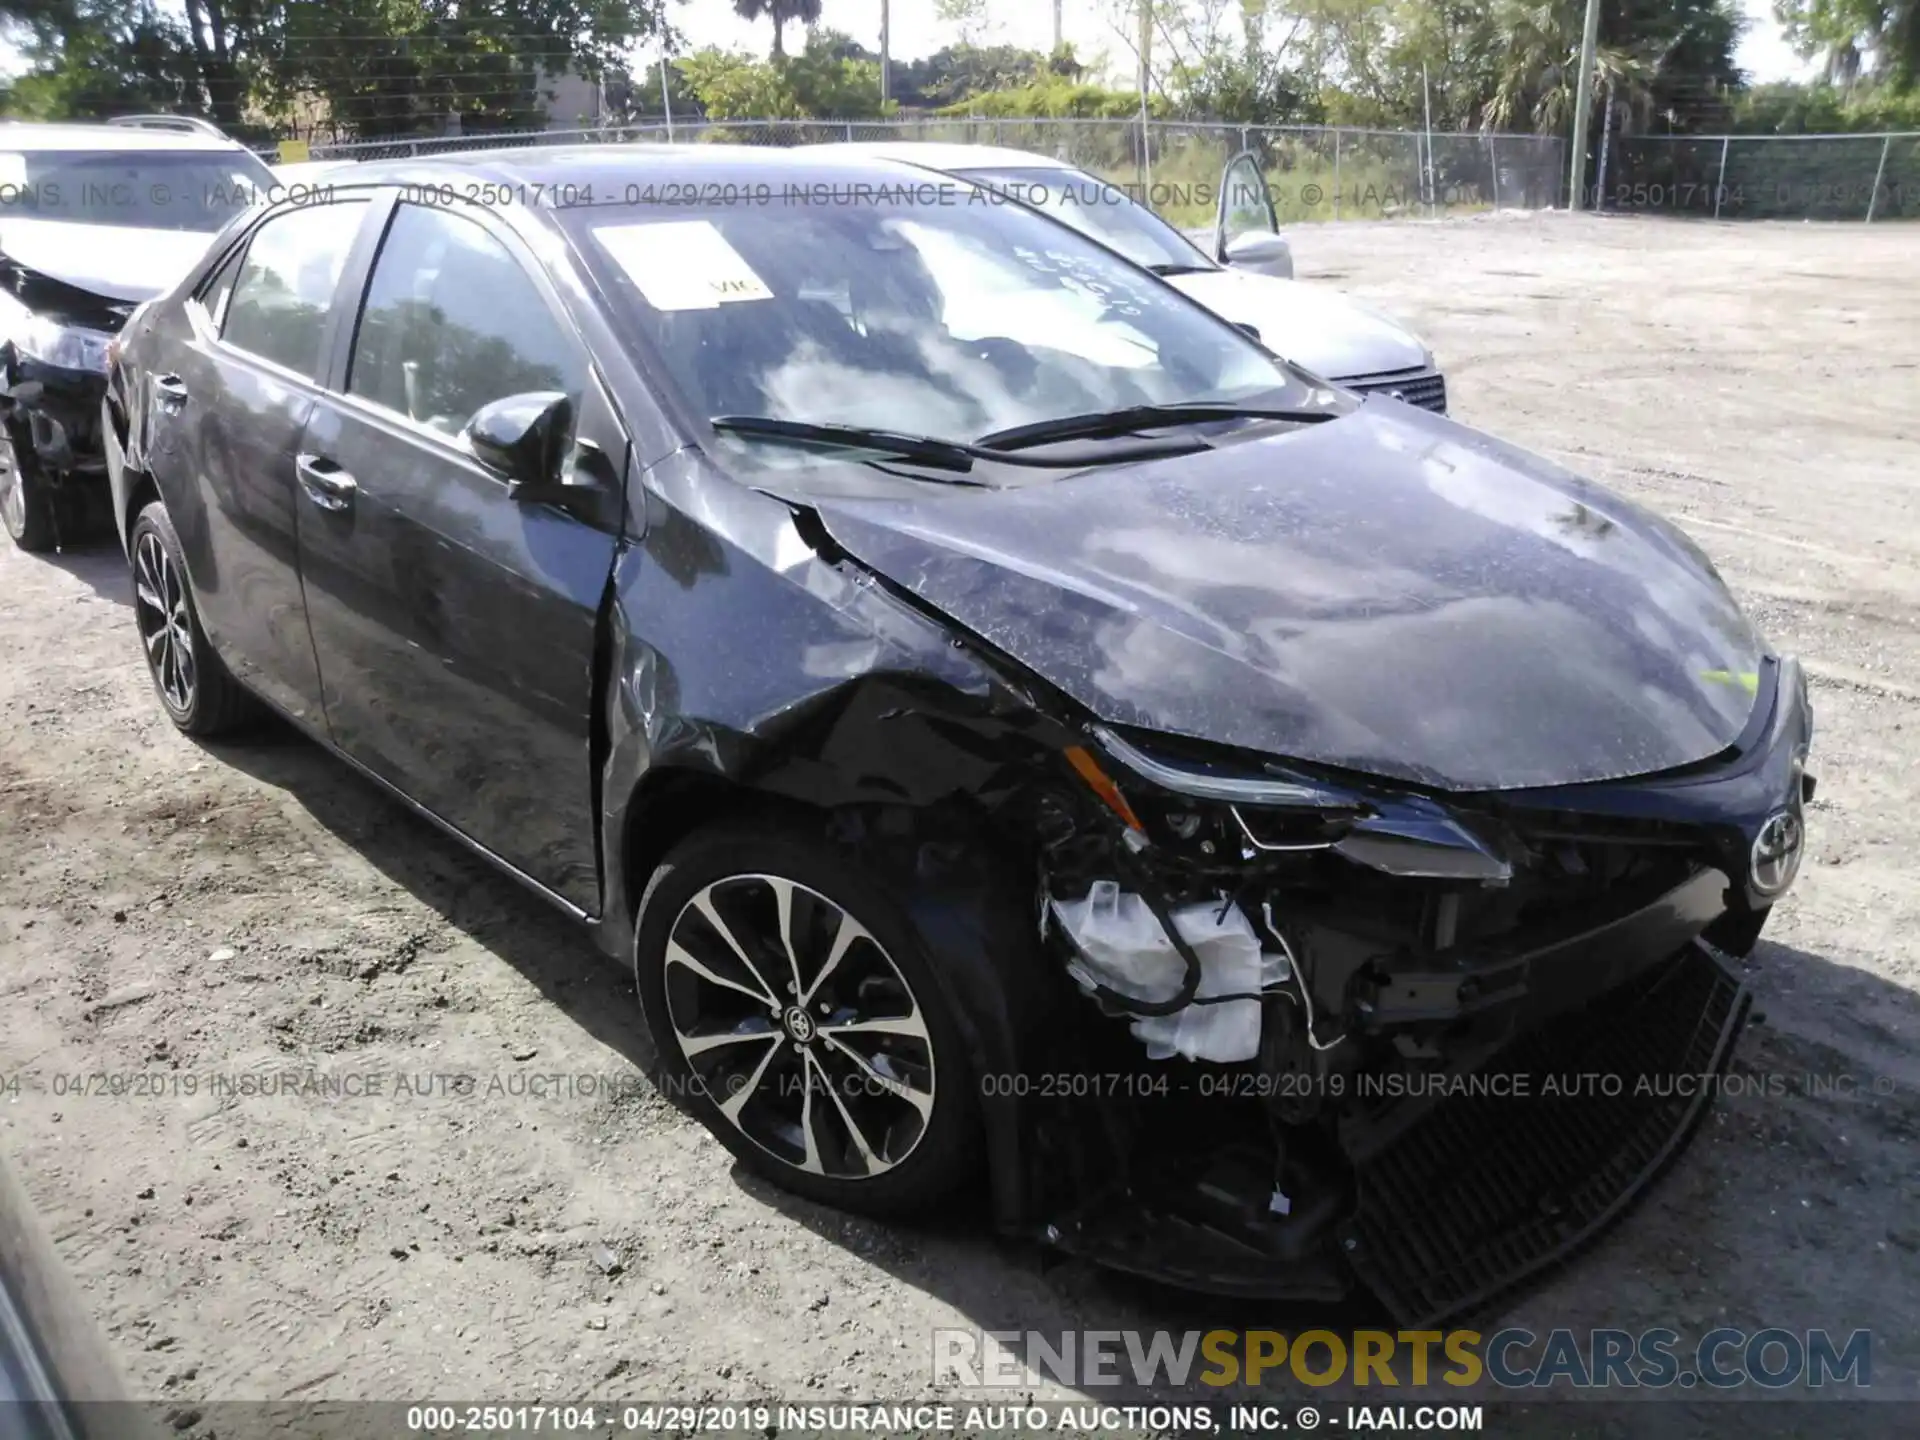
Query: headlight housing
(67, 347)
(1400, 833)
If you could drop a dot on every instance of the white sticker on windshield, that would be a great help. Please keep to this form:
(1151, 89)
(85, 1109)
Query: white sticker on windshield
(682, 264)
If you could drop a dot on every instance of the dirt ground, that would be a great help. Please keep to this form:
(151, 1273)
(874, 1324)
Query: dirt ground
(174, 918)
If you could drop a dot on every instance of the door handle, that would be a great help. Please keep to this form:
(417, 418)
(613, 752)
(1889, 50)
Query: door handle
(171, 390)
(326, 484)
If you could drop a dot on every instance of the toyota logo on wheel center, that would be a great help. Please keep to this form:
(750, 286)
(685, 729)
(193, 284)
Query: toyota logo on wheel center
(799, 1025)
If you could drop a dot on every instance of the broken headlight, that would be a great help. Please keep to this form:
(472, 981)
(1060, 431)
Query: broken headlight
(1211, 784)
(1224, 813)
(1253, 817)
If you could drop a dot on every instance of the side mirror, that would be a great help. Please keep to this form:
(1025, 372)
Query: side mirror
(525, 438)
(1260, 252)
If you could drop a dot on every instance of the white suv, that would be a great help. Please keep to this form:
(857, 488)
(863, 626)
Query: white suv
(94, 220)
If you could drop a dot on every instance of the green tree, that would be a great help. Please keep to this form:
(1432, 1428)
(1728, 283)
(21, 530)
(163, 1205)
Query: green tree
(1514, 64)
(953, 73)
(1787, 108)
(1055, 97)
(1535, 66)
(733, 86)
(1857, 39)
(822, 82)
(377, 66)
(781, 13)
(1239, 63)
(97, 57)
(389, 67)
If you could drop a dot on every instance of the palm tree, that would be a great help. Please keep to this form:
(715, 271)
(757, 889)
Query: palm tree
(780, 12)
(1537, 67)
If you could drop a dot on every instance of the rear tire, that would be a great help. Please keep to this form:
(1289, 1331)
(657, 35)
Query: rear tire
(196, 689)
(26, 500)
(832, 1064)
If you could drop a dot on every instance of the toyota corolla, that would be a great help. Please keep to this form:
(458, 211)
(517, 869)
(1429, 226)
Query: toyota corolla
(1211, 806)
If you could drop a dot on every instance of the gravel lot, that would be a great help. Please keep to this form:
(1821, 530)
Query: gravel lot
(175, 916)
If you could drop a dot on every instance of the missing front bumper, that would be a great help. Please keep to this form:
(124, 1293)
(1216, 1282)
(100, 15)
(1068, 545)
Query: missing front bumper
(1482, 1191)
(1489, 1189)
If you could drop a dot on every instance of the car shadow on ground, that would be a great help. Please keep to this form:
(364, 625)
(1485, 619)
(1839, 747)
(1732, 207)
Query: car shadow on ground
(556, 956)
(100, 564)
(1717, 1198)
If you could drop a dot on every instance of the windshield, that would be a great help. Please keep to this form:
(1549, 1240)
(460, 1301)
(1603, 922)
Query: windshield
(1095, 208)
(939, 311)
(144, 189)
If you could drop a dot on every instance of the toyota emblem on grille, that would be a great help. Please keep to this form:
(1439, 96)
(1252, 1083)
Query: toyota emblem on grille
(1396, 394)
(1776, 852)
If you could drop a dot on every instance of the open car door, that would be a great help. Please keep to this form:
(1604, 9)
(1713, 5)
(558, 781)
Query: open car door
(1246, 232)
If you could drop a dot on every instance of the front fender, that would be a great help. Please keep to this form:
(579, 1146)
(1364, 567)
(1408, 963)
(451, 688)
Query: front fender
(747, 669)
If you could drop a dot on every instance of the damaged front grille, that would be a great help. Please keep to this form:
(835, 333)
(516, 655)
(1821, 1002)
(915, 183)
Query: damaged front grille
(1425, 388)
(1491, 1187)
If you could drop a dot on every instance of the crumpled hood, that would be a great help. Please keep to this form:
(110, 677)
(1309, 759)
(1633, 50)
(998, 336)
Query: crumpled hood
(1390, 592)
(117, 262)
(1315, 327)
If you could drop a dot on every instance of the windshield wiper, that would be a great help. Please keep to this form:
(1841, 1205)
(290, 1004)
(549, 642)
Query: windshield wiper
(956, 456)
(1130, 418)
(1181, 268)
(922, 449)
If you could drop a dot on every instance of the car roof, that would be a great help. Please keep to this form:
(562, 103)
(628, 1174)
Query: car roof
(557, 167)
(947, 155)
(30, 135)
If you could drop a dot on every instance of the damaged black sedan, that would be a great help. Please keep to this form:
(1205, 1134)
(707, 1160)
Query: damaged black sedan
(1013, 725)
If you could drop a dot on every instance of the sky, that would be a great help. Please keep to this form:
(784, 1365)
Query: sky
(1089, 26)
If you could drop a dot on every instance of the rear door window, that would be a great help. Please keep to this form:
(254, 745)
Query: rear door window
(284, 290)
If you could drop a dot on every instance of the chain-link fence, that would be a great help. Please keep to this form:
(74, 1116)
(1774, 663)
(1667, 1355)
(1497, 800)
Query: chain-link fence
(1314, 172)
(1339, 173)
(1763, 177)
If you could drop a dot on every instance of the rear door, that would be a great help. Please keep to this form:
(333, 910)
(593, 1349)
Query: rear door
(226, 421)
(456, 626)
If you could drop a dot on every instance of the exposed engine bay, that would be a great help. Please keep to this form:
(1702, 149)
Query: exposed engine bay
(1328, 1005)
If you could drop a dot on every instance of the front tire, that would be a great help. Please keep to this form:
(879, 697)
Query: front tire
(195, 688)
(26, 500)
(797, 1017)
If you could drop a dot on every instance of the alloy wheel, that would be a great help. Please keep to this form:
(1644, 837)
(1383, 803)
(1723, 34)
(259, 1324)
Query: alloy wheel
(166, 629)
(799, 1027)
